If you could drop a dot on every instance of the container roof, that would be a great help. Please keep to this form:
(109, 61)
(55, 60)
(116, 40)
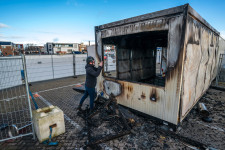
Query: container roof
(162, 13)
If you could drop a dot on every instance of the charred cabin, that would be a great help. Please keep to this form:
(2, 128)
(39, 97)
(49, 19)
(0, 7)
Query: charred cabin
(165, 61)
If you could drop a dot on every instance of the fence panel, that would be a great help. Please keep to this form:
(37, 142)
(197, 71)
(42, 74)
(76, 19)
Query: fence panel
(221, 72)
(39, 67)
(63, 66)
(80, 62)
(10, 72)
(15, 110)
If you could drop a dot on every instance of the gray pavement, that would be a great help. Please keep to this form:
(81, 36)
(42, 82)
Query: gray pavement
(144, 136)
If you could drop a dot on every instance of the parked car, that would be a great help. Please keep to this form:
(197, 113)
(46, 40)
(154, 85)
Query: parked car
(76, 52)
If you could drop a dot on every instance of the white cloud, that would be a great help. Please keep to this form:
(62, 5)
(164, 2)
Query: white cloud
(3, 25)
(222, 34)
(11, 37)
(40, 43)
(72, 2)
(55, 40)
(42, 38)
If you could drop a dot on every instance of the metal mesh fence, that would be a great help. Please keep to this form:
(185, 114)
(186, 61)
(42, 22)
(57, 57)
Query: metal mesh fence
(46, 67)
(221, 74)
(15, 110)
(220, 78)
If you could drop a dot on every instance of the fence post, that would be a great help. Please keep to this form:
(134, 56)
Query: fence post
(107, 63)
(27, 91)
(52, 67)
(74, 65)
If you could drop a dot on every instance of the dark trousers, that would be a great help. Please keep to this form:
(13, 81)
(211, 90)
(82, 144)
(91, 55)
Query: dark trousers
(91, 92)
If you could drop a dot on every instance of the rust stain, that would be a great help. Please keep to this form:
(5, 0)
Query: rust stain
(143, 95)
(122, 89)
(128, 96)
(189, 95)
(130, 88)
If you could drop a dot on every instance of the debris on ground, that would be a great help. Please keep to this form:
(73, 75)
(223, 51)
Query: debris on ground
(144, 134)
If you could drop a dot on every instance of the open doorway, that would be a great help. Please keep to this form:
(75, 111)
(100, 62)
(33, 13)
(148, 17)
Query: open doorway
(140, 57)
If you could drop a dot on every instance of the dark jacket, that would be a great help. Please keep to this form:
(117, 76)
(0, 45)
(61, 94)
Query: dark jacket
(91, 75)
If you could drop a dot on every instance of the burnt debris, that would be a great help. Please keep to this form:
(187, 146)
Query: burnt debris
(106, 113)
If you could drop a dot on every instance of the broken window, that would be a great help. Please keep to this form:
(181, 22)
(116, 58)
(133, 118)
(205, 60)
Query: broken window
(140, 57)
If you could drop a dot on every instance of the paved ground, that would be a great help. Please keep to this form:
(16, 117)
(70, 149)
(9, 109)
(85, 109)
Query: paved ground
(144, 136)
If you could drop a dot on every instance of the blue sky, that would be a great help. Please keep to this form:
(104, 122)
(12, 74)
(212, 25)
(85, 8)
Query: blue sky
(41, 21)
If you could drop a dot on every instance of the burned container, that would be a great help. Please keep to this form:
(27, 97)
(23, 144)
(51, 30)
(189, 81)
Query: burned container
(163, 61)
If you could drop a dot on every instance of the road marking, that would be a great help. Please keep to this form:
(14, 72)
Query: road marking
(43, 99)
(12, 98)
(59, 87)
(22, 96)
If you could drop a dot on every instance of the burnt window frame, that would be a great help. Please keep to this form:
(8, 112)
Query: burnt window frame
(130, 80)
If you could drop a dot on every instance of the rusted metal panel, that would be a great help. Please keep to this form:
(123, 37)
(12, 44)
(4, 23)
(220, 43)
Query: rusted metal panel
(192, 59)
(156, 101)
(199, 63)
(138, 96)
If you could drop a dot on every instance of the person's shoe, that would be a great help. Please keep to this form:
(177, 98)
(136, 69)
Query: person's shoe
(207, 119)
(79, 108)
(91, 111)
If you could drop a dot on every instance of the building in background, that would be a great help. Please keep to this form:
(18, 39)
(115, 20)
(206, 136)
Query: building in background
(19, 49)
(1, 51)
(83, 47)
(91, 51)
(7, 48)
(34, 49)
(60, 48)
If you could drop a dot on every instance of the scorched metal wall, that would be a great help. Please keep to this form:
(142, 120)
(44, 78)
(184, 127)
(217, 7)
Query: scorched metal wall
(187, 37)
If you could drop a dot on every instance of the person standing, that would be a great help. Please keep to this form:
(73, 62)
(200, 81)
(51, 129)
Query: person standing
(91, 78)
